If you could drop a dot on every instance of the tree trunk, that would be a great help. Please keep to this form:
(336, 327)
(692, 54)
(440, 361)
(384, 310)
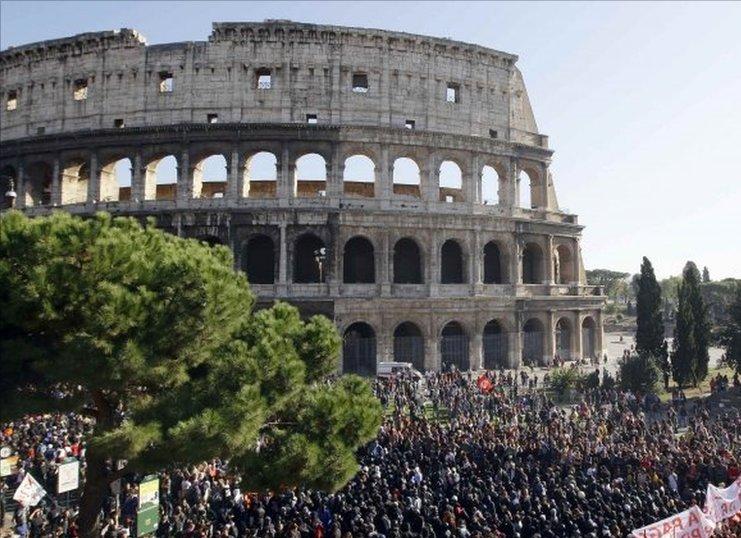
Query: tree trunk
(96, 488)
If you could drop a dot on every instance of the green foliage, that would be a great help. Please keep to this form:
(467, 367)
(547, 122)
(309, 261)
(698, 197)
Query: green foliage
(730, 333)
(705, 274)
(650, 326)
(589, 381)
(701, 324)
(684, 348)
(639, 373)
(564, 382)
(614, 282)
(122, 316)
(608, 381)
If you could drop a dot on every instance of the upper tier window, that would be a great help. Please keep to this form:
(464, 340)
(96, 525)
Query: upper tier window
(12, 102)
(80, 90)
(264, 79)
(165, 82)
(453, 93)
(360, 83)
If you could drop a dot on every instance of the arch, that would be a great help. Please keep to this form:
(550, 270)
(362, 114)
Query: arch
(209, 176)
(37, 184)
(75, 181)
(407, 262)
(450, 183)
(451, 263)
(495, 346)
(489, 185)
(160, 178)
(532, 264)
(409, 345)
(530, 183)
(406, 178)
(494, 266)
(310, 176)
(359, 350)
(532, 342)
(563, 338)
(258, 259)
(358, 260)
(563, 265)
(115, 180)
(588, 338)
(359, 176)
(309, 260)
(260, 176)
(454, 347)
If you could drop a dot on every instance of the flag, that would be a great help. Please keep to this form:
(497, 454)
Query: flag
(30, 492)
(484, 384)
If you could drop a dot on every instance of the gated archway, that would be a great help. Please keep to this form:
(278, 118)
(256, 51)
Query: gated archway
(454, 347)
(588, 347)
(258, 260)
(532, 342)
(359, 350)
(495, 346)
(563, 339)
(409, 345)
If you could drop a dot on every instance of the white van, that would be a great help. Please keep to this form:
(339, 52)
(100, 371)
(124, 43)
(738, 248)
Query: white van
(390, 369)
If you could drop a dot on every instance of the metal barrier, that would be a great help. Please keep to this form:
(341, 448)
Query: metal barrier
(454, 352)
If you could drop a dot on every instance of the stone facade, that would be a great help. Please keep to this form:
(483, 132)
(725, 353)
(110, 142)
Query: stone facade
(415, 270)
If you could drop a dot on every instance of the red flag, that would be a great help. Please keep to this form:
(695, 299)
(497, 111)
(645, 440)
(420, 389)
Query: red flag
(484, 384)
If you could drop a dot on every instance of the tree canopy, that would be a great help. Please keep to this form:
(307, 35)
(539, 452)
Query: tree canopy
(730, 333)
(690, 356)
(650, 325)
(154, 336)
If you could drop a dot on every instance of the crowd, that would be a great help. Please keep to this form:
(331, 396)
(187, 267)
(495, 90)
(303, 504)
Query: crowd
(449, 460)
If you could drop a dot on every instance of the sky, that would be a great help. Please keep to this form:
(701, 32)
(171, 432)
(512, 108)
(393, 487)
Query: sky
(641, 101)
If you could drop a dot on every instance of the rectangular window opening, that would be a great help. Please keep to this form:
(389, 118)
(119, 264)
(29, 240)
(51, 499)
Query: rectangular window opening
(311, 119)
(360, 83)
(12, 101)
(449, 199)
(493, 133)
(264, 79)
(212, 118)
(165, 82)
(118, 123)
(453, 93)
(80, 89)
(409, 125)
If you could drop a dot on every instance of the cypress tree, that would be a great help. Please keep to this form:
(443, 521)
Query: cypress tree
(684, 349)
(705, 274)
(650, 326)
(701, 323)
(730, 334)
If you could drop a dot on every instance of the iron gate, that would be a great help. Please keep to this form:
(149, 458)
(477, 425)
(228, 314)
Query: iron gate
(410, 349)
(495, 351)
(454, 352)
(359, 356)
(532, 347)
(587, 343)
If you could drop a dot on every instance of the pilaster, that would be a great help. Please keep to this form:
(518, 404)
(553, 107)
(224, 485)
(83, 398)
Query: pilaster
(93, 184)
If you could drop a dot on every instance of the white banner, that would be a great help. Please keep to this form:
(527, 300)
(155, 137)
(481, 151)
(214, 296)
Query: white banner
(30, 492)
(721, 504)
(68, 478)
(691, 523)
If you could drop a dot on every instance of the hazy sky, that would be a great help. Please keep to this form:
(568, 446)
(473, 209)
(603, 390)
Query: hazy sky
(641, 101)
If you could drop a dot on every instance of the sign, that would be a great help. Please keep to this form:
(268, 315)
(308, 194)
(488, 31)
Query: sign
(30, 492)
(722, 504)
(7, 465)
(68, 478)
(691, 523)
(148, 514)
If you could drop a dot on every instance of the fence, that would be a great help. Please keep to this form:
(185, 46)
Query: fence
(359, 356)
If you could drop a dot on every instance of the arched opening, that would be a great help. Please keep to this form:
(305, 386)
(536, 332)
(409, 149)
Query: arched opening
(532, 264)
(563, 339)
(451, 263)
(209, 177)
(407, 262)
(563, 265)
(260, 176)
(359, 265)
(450, 182)
(311, 176)
(495, 346)
(359, 177)
(532, 342)
(359, 350)
(489, 186)
(409, 345)
(525, 188)
(258, 260)
(588, 345)
(75, 182)
(493, 264)
(37, 184)
(115, 180)
(406, 178)
(161, 178)
(8, 181)
(454, 347)
(309, 263)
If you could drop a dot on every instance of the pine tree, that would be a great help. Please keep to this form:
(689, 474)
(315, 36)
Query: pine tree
(730, 334)
(650, 325)
(705, 274)
(700, 319)
(123, 317)
(684, 349)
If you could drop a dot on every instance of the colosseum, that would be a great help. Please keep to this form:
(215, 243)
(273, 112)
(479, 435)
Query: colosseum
(395, 183)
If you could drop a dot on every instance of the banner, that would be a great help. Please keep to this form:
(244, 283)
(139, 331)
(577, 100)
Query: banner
(691, 523)
(30, 492)
(721, 504)
(68, 478)
(8, 465)
(148, 514)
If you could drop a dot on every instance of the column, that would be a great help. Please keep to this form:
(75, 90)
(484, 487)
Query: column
(516, 258)
(433, 265)
(432, 352)
(513, 180)
(283, 262)
(600, 335)
(549, 280)
(429, 176)
(473, 181)
(56, 184)
(185, 178)
(578, 351)
(285, 173)
(335, 174)
(384, 176)
(577, 261)
(138, 178)
(235, 177)
(475, 355)
(384, 267)
(515, 342)
(550, 339)
(20, 187)
(93, 184)
(544, 186)
(477, 258)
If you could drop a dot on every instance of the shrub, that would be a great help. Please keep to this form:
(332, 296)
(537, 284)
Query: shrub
(639, 373)
(564, 381)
